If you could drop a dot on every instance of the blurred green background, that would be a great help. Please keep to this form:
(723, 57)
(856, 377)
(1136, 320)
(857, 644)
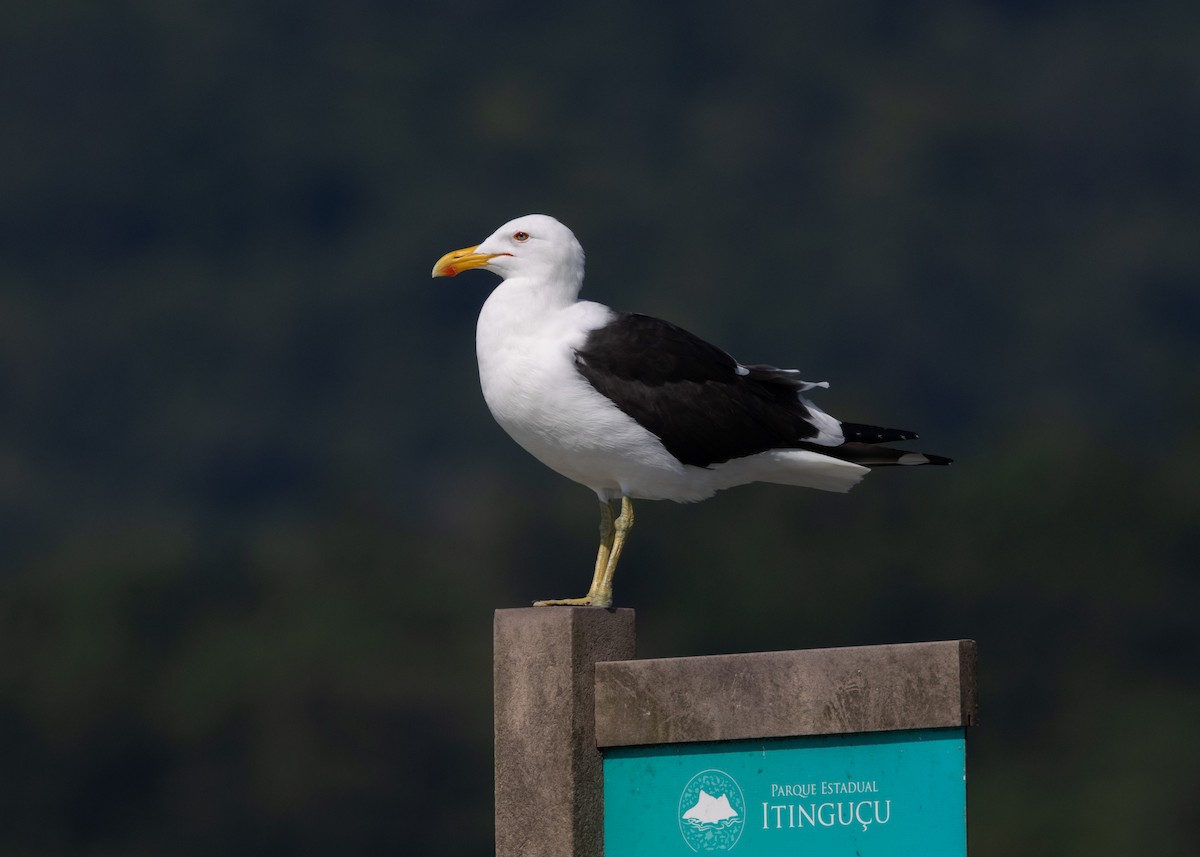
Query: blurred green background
(255, 517)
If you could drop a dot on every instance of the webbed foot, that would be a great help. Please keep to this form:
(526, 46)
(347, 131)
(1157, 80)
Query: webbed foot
(585, 601)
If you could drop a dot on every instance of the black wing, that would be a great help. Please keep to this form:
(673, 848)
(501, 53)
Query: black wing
(690, 394)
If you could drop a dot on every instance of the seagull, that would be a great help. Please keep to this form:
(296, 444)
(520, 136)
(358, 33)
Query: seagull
(635, 407)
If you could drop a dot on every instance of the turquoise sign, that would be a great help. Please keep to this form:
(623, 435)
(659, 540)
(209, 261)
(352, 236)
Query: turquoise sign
(867, 795)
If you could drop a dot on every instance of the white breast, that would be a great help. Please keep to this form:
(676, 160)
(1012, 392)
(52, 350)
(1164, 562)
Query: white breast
(530, 383)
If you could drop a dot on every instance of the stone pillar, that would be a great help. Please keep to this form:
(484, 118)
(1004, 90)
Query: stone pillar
(549, 774)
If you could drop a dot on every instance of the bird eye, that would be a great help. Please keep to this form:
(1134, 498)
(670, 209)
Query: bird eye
(520, 236)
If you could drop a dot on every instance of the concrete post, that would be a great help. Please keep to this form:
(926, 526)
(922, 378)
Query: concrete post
(549, 774)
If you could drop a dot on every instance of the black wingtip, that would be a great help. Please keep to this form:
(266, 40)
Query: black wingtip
(863, 433)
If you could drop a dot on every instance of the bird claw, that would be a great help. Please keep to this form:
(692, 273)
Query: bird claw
(585, 601)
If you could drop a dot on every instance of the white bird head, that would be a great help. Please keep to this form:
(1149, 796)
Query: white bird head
(535, 246)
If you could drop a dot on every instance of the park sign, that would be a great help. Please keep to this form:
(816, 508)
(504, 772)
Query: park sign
(869, 794)
(854, 751)
(848, 751)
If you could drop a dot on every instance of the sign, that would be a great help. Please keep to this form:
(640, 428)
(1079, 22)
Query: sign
(870, 794)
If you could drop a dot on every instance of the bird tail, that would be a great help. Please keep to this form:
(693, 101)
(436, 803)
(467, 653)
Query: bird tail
(870, 455)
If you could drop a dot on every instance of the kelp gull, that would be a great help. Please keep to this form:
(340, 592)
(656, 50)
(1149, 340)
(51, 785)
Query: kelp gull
(636, 407)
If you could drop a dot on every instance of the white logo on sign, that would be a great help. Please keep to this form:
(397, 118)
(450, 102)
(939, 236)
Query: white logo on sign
(712, 811)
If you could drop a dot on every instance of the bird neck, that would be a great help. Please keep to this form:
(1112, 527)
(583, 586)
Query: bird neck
(535, 296)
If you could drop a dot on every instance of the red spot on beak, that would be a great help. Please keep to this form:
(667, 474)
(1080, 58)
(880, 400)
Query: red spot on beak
(450, 271)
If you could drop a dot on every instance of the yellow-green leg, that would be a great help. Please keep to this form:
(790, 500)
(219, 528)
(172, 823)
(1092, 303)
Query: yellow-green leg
(621, 526)
(612, 540)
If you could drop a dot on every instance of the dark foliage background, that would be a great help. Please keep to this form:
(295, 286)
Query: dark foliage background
(254, 517)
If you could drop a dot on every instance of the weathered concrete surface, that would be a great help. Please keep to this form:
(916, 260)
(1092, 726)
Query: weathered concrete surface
(549, 777)
(777, 694)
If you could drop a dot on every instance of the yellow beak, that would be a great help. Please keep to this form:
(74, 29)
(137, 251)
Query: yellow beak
(457, 261)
